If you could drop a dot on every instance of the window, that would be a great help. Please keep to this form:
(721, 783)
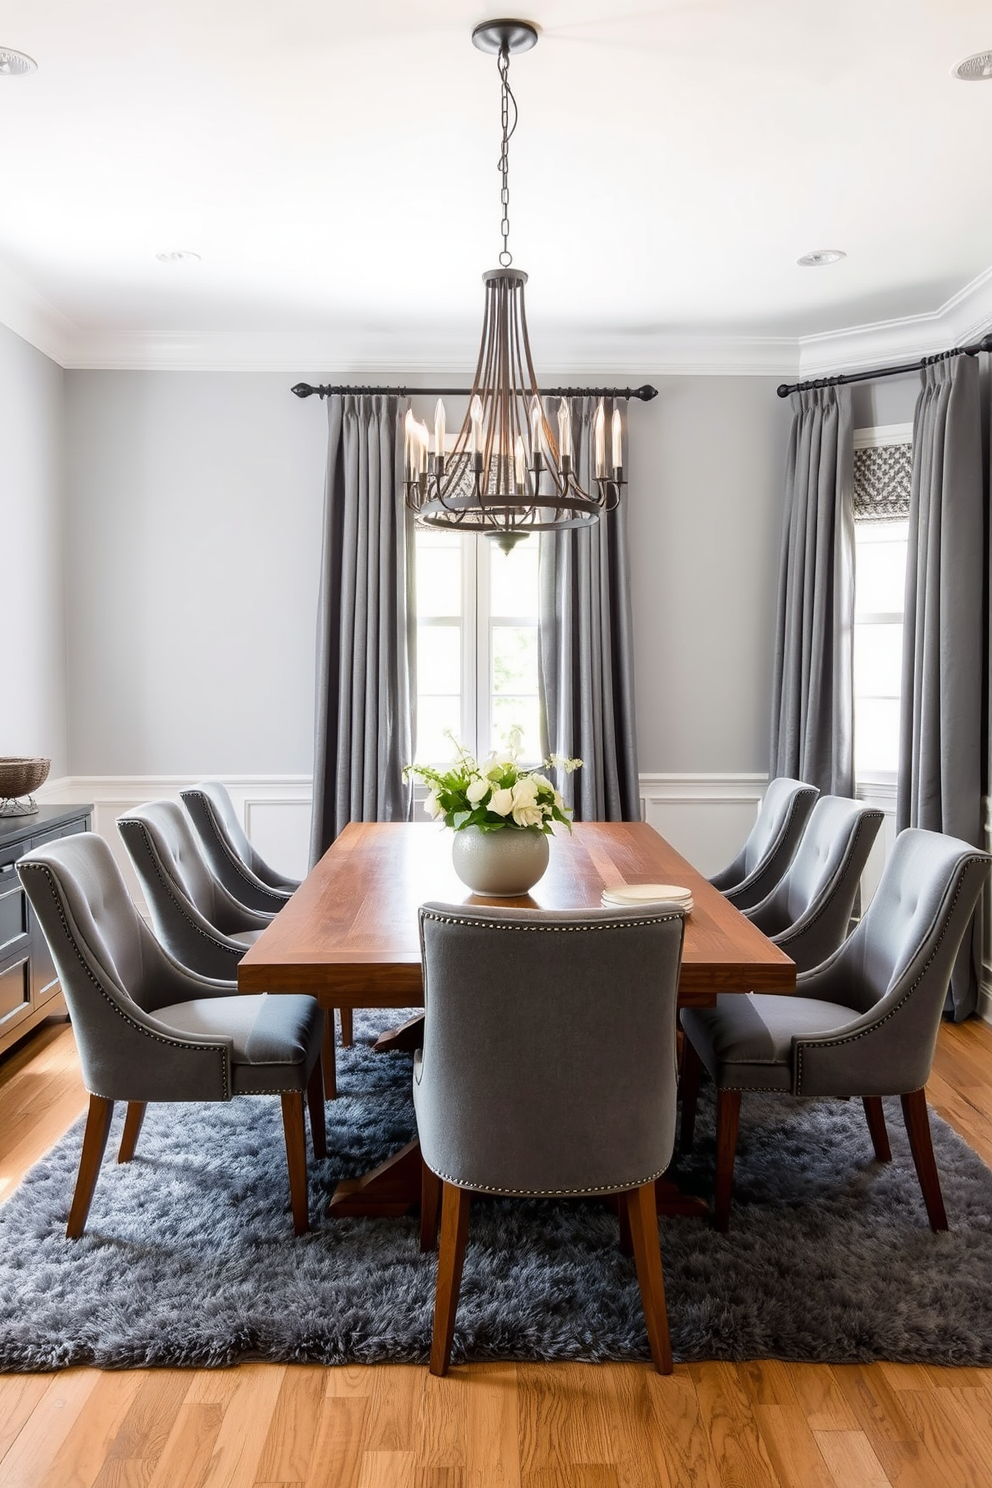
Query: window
(882, 464)
(476, 645)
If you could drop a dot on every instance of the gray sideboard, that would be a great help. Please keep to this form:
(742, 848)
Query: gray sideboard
(29, 987)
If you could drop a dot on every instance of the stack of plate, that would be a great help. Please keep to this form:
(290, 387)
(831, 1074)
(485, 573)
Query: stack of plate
(627, 896)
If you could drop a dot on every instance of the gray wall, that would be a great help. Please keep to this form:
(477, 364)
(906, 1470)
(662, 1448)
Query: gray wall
(194, 504)
(33, 706)
(707, 462)
(194, 523)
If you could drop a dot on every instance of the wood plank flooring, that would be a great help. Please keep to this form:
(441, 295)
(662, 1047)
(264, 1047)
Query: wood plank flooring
(757, 1425)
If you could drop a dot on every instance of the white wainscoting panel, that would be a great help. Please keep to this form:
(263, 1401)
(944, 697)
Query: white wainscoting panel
(706, 817)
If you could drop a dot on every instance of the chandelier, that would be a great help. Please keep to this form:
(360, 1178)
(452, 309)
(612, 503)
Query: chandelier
(508, 473)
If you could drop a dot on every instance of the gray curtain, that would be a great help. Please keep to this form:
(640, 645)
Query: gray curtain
(586, 650)
(365, 691)
(944, 658)
(813, 690)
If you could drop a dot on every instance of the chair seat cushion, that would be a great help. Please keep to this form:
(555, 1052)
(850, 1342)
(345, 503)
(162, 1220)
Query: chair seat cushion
(275, 1039)
(746, 1041)
(246, 937)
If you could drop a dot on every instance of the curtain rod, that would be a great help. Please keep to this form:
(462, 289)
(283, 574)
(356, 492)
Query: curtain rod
(786, 388)
(644, 394)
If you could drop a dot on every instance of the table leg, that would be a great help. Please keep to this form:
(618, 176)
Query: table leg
(408, 1036)
(391, 1189)
(327, 1058)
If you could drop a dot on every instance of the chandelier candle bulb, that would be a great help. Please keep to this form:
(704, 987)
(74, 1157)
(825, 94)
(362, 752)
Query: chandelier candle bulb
(439, 430)
(564, 430)
(520, 458)
(475, 413)
(617, 441)
(599, 432)
(408, 438)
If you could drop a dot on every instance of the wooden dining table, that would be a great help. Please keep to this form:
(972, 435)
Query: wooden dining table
(350, 936)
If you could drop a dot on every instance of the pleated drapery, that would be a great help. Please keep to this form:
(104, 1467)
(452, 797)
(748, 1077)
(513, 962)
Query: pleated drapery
(944, 644)
(586, 675)
(812, 735)
(365, 647)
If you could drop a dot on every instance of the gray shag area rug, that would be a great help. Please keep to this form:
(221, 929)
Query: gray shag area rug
(189, 1256)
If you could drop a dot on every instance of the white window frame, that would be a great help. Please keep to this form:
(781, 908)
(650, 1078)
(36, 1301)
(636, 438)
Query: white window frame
(878, 781)
(476, 624)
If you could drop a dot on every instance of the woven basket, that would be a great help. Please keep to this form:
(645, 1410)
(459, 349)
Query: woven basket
(19, 777)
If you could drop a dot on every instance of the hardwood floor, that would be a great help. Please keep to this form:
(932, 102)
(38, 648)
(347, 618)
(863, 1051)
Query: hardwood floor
(758, 1425)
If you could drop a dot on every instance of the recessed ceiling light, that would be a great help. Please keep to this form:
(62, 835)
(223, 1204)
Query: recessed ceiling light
(821, 256)
(975, 69)
(178, 256)
(15, 64)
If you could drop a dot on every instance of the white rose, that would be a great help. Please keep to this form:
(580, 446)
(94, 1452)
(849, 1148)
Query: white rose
(528, 816)
(478, 789)
(542, 782)
(524, 792)
(433, 806)
(501, 802)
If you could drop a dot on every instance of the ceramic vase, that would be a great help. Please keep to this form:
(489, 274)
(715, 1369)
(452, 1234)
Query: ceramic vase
(502, 864)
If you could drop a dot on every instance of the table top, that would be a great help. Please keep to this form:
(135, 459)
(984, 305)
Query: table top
(350, 932)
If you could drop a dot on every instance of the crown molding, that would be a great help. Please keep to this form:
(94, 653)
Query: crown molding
(33, 318)
(963, 319)
(357, 355)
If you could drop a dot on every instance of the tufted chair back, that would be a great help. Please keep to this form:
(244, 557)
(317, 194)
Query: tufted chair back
(808, 912)
(770, 844)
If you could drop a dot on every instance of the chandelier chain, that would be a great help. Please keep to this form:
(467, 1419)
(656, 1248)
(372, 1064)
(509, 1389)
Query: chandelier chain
(508, 109)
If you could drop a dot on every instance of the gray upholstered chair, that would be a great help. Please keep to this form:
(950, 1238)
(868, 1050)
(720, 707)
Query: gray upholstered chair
(496, 1114)
(770, 844)
(233, 861)
(862, 1024)
(147, 1029)
(236, 865)
(196, 919)
(808, 912)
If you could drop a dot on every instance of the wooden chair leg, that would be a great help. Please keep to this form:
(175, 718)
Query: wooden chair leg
(315, 1105)
(728, 1114)
(875, 1115)
(626, 1239)
(132, 1127)
(347, 1027)
(692, 1073)
(98, 1119)
(642, 1216)
(327, 1058)
(430, 1208)
(296, 1157)
(914, 1110)
(451, 1258)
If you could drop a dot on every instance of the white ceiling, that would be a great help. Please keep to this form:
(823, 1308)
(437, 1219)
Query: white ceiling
(335, 167)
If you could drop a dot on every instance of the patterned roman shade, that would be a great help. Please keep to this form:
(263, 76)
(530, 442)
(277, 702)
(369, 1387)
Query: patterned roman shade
(881, 482)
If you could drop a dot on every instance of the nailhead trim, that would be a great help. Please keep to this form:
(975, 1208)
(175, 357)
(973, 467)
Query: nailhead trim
(169, 887)
(550, 1193)
(852, 1038)
(171, 1043)
(239, 867)
(758, 873)
(431, 914)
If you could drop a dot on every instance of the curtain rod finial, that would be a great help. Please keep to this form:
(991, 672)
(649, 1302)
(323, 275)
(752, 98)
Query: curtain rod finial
(303, 390)
(783, 390)
(646, 392)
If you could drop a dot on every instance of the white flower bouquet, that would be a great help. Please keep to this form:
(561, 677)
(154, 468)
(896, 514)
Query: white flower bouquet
(496, 793)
